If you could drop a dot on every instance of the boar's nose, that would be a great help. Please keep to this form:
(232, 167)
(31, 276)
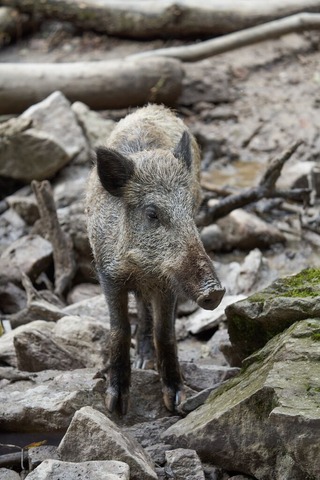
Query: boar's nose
(211, 299)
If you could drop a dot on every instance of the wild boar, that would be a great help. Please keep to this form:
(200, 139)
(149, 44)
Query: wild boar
(142, 196)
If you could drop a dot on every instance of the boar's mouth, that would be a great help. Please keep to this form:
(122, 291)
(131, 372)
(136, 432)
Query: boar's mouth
(211, 297)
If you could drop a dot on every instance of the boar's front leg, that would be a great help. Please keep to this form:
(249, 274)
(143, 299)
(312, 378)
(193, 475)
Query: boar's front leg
(164, 306)
(119, 368)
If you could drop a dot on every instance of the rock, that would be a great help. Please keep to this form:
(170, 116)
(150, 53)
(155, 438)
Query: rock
(54, 116)
(99, 470)
(201, 377)
(7, 349)
(149, 433)
(30, 254)
(37, 351)
(21, 146)
(92, 436)
(196, 400)
(254, 321)
(69, 192)
(295, 174)
(44, 138)
(6, 474)
(12, 227)
(258, 422)
(86, 339)
(97, 308)
(212, 238)
(245, 231)
(146, 403)
(36, 455)
(12, 298)
(83, 291)
(185, 464)
(96, 128)
(26, 207)
(219, 338)
(71, 343)
(94, 307)
(45, 401)
(202, 320)
(246, 277)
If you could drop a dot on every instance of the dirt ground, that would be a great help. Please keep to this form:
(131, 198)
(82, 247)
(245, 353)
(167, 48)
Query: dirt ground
(245, 107)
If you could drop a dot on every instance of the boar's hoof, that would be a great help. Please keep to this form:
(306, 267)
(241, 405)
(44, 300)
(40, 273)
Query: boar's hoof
(115, 401)
(173, 398)
(211, 300)
(144, 363)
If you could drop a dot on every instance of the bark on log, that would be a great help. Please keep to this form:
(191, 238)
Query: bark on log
(232, 41)
(150, 19)
(100, 85)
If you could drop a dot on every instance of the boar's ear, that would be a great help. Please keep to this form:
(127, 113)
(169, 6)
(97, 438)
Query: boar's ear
(114, 170)
(183, 149)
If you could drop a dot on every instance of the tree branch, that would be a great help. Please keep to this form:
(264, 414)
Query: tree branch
(61, 242)
(232, 41)
(265, 189)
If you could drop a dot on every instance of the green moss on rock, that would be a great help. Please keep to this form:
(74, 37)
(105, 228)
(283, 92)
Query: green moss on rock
(254, 321)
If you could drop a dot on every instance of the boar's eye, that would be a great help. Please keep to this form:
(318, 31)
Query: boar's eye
(151, 212)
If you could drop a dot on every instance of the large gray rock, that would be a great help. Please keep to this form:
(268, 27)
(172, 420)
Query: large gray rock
(99, 470)
(30, 254)
(96, 128)
(46, 401)
(265, 422)
(201, 377)
(71, 343)
(27, 154)
(7, 350)
(54, 116)
(41, 141)
(37, 351)
(185, 464)
(6, 474)
(92, 436)
(254, 321)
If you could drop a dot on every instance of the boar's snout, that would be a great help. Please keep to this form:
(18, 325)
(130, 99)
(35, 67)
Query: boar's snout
(210, 299)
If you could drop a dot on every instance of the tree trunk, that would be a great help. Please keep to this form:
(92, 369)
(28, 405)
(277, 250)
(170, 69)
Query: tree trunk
(165, 18)
(100, 85)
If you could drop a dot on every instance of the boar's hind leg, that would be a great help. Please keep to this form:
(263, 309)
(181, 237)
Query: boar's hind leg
(145, 347)
(164, 307)
(119, 347)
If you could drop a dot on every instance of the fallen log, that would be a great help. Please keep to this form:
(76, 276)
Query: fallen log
(168, 18)
(100, 85)
(265, 189)
(192, 53)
